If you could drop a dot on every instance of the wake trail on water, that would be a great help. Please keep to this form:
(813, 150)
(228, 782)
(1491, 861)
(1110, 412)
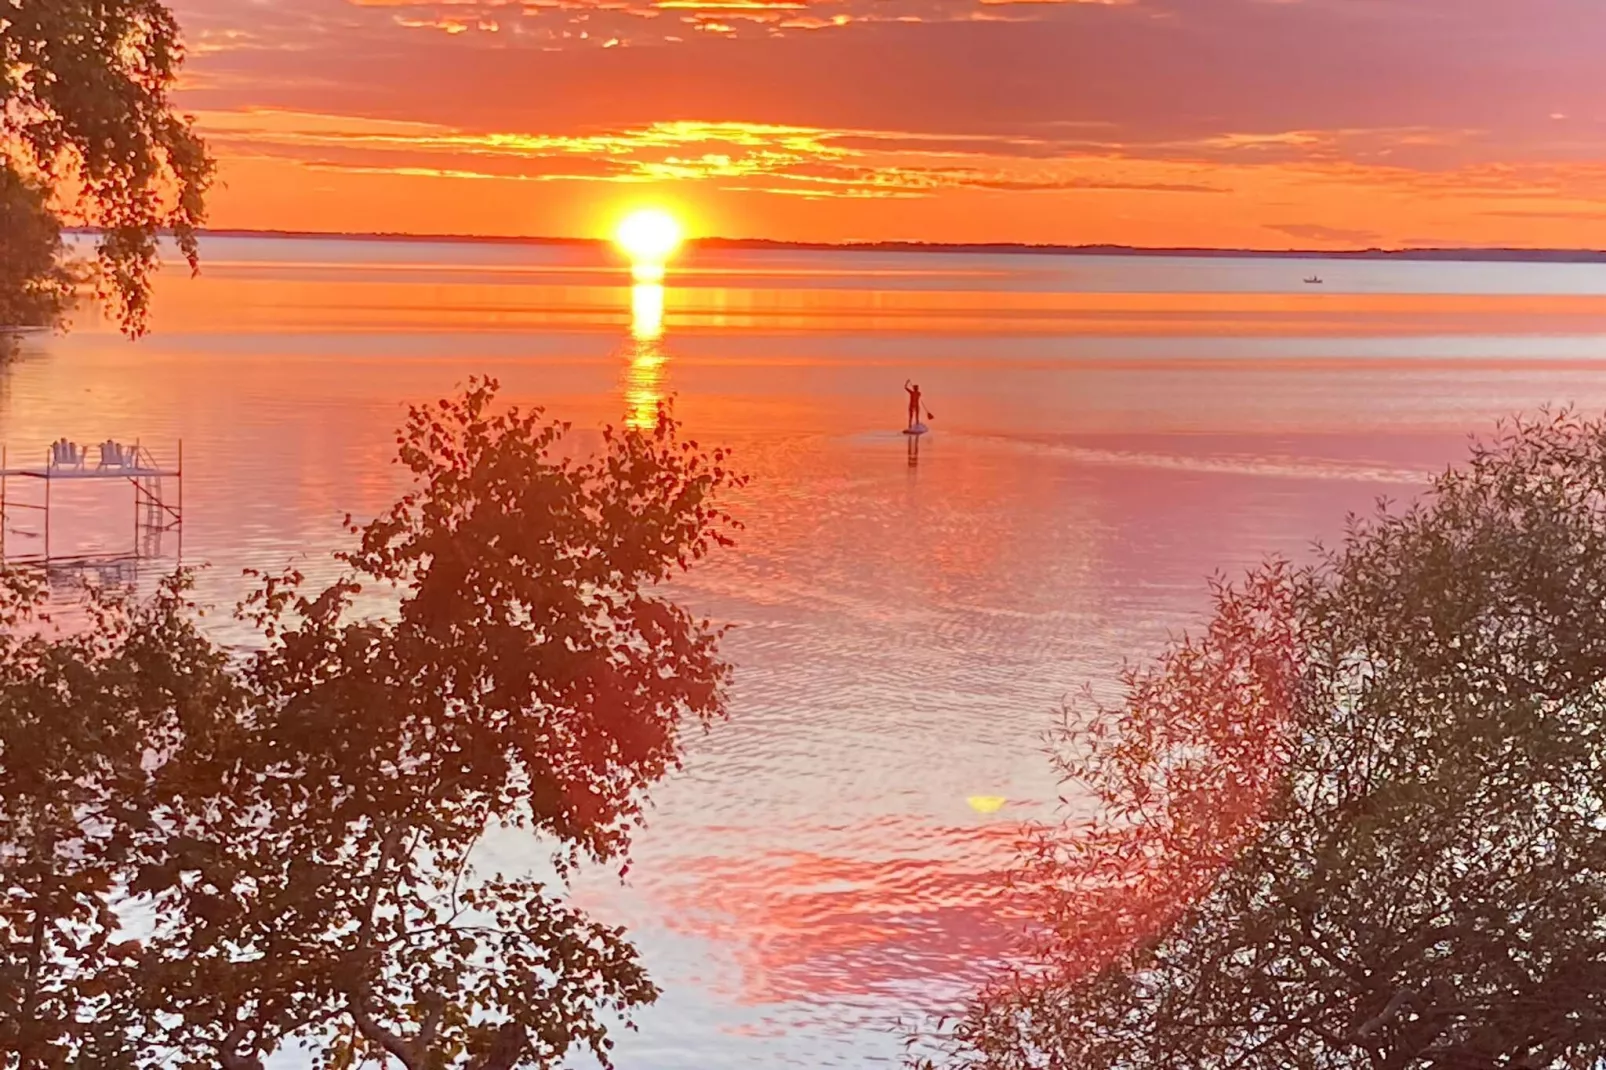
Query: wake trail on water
(1276, 468)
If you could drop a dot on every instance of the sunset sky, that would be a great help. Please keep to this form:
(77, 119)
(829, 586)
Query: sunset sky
(1253, 123)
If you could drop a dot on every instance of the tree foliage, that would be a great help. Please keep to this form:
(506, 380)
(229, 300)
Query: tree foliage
(35, 285)
(298, 827)
(1361, 821)
(85, 108)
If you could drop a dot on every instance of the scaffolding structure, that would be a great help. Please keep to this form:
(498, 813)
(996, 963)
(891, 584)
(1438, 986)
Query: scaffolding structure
(155, 511)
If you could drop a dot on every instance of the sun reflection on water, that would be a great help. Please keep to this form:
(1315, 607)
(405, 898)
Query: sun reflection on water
(647, 311)
(643, 378)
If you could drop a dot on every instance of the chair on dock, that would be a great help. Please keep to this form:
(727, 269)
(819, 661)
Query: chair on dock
(64, 454)
(130, 467)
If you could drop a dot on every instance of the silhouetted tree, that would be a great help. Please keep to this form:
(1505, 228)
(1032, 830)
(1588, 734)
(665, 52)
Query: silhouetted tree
(85, 113)
(35, 286)
(79, 714)
(1360, 822)
(300, 832)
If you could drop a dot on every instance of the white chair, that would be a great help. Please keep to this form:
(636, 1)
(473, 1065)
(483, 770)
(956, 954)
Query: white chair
(64, 454)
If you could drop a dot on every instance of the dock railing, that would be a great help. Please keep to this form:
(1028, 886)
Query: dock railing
(155, 512)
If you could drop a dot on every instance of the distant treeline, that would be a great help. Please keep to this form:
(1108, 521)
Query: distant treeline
(1562, 256)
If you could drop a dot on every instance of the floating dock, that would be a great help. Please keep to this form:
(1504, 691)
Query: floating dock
(155, 511)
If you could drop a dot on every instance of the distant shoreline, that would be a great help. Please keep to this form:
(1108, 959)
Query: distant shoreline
(1548, 256)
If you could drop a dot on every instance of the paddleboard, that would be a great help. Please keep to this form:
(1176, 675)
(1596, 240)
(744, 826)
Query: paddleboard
(917, 429)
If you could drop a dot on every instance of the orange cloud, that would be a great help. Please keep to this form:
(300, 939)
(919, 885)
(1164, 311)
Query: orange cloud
(798, 160)
(935, 119)
(459, 16)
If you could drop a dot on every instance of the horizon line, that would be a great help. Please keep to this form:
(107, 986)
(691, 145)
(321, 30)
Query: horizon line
(1469, 253)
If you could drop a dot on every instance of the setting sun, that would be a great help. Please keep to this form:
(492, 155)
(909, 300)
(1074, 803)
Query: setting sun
(648, 237)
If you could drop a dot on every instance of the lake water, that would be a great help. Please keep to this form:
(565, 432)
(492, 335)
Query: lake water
(1107, 432)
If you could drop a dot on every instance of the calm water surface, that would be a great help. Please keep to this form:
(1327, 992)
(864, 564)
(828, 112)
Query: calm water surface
(1107, 432)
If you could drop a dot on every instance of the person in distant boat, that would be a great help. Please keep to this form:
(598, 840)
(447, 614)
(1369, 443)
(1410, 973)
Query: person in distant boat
(913, 390)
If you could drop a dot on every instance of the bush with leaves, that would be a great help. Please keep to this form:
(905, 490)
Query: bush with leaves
(35, 283)
(301, 843)
(81, 712)
(1360, 822)
(86, 113)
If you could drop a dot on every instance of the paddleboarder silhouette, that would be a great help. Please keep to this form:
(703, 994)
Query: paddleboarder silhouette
(913, 390)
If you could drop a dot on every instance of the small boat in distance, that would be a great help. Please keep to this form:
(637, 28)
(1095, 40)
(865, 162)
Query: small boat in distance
(1315, 280)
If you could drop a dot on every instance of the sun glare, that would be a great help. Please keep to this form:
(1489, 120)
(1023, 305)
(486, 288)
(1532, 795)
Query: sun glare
(646, 311)
(648, 237)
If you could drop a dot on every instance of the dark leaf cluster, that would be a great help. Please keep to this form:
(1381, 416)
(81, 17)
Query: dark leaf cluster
(86, 113)
(35, 284)
(1360, 822)
(210, 855)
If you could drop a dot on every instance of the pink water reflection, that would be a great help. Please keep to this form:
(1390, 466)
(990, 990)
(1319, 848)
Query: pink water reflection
(1105, 437)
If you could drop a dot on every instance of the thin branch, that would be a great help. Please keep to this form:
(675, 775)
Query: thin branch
(436, 1009)
(388, 846)
(375, 1033)
(1353, 971)
(1400, 998)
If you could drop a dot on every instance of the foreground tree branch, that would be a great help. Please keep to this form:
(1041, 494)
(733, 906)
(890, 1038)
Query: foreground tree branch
(1359, 822)
(499, 659)
(86, 118)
